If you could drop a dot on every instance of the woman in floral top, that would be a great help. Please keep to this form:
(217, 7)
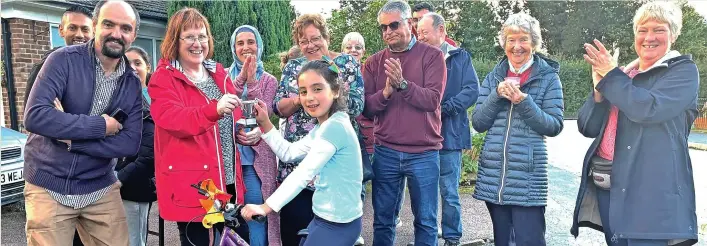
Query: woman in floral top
(311, 34)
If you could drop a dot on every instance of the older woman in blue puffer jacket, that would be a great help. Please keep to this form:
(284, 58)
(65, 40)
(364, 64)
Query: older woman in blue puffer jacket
(520, 103)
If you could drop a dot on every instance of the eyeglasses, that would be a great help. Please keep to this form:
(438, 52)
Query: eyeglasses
(355, 47)
(191, 39)
(393, 25)
(314, 40)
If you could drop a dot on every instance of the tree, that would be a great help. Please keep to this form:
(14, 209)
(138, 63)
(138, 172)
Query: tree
(174, 6)
(477, 29)
(365, 21)
(693, 39)
(271, 18)
(608, 22)
(552, 16)
(220, 14)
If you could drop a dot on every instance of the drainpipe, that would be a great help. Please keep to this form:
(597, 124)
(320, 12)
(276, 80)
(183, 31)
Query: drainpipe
(9, 76)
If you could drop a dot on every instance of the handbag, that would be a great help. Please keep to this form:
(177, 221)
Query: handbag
(601, 172)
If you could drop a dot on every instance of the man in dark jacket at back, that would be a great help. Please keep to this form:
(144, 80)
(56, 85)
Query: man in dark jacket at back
(76, 27)
(418, 11)
(460, 93)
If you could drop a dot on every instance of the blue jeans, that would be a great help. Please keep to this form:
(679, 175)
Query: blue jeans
(450, 165)
(258, 232)
(422, 173)
(136, 214)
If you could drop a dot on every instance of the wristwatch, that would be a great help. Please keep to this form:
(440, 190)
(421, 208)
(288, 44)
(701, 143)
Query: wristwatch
(403, 85)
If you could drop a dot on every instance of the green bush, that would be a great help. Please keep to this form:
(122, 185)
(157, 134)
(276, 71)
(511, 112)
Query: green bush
(470, 160)
(271, 64)
(470, 157)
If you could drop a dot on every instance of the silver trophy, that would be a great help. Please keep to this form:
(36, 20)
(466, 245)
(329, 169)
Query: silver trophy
(248, 121)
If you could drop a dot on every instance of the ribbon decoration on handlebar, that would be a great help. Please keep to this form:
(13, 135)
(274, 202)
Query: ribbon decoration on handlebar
(220, 210)
(214, 204)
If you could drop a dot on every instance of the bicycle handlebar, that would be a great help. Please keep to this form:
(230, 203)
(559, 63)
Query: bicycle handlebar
(230, 211)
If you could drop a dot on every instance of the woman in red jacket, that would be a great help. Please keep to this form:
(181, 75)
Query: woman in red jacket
(194, 108)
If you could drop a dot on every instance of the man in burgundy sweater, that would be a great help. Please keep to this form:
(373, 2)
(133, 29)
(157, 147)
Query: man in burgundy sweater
(404, 85)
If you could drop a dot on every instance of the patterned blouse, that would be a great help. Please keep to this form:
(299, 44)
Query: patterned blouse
(300, 123)
(225, 128)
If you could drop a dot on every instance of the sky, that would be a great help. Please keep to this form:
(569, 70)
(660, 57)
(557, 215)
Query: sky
(325, 6)
(313, 7)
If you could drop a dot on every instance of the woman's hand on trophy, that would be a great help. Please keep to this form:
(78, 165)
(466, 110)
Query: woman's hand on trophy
(249, 138)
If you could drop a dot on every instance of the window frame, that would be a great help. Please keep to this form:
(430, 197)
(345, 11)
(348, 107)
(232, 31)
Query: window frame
(51, 37)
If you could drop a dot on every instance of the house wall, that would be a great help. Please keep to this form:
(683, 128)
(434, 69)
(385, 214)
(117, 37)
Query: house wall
(30, 23)
(29, 41)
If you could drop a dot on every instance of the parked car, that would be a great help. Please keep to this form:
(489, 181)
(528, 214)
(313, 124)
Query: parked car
(12, 166)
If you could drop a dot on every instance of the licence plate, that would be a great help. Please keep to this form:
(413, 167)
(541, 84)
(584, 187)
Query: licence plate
(11, 176)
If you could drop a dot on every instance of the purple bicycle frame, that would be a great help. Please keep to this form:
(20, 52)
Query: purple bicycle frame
(230, 238)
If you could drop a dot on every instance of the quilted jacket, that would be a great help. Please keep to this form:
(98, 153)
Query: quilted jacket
(513, 161)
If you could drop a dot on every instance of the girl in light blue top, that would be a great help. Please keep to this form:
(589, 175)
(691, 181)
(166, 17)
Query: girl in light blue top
(336, 159)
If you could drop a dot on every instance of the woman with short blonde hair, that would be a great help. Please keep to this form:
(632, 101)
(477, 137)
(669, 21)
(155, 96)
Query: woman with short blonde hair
(640, 116)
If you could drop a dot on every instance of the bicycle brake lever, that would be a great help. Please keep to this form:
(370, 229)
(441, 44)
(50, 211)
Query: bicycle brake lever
(201, 191)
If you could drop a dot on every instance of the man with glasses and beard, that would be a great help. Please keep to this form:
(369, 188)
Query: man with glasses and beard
(404, 85)
(76, 135)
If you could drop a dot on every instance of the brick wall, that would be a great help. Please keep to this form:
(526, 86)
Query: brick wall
(29, 41)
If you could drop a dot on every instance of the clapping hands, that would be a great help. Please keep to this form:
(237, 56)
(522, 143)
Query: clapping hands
(601, 60)
(247, 73)
(511, 92)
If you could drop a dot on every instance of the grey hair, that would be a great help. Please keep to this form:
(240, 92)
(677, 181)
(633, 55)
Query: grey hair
(397, 6)
(660, 11)
(437, 19)
(355, 36)
(525, 23)
(99, 5)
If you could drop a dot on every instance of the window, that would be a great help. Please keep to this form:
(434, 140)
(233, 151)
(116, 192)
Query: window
(54, 37)
(152, 47)
(158, 50)
(146, 44)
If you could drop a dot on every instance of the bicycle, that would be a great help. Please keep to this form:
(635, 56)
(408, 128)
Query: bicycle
(219, 210)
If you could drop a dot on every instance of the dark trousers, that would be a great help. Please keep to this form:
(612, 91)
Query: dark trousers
(603, 198)
(526, 223)
(199, 235)
(323, 232)
(295, 216)
(196, 234)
